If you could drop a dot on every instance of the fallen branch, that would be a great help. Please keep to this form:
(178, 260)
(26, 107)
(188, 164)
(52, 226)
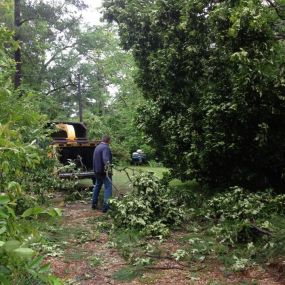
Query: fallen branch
(172, 268)
(262, 231)
(173, 259)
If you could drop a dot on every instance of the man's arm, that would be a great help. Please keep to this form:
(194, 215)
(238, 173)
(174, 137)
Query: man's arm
(107, 156)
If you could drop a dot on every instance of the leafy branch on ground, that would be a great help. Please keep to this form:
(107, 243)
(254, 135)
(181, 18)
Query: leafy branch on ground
(148, 208)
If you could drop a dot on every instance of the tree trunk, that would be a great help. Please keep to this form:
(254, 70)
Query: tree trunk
(17, 54)
(80, 105)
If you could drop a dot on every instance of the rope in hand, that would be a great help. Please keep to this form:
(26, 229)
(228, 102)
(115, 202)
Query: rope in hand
(110, 179)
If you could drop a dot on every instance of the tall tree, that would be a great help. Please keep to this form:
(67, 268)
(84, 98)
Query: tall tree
(212, 72)
(41, 29)
(17, 56)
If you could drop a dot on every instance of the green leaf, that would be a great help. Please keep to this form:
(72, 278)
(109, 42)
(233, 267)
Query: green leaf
(4, 92)
(45, 268)
(2, 231)
(37, 262)
(5, 166)
(4, 199)
(55, 212)
(11, 211)
(24, 252)
(54, 280)
(4, 270)
(3, 215)
(33, 212)
(11, 245)
(14, 186)
(4, 280)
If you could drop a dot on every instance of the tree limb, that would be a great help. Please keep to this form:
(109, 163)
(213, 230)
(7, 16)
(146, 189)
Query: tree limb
(60, 87)
(27, 20)
(163, 268)
(57, 53)
(276, 8)
(46, 64)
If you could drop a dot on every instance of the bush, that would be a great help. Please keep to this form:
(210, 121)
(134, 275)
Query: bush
(210, 72)
(18, 260)
(149, 208)
(21, 158)
(238, 227)
(239, 204)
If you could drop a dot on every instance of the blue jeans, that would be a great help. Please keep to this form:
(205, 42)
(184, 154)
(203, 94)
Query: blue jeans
(100, 180)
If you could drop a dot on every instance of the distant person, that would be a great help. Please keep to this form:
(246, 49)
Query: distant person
(102, 160)
(138, 157)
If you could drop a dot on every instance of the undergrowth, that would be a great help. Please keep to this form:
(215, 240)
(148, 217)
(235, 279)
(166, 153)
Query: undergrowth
(237, 227)
(148, 208)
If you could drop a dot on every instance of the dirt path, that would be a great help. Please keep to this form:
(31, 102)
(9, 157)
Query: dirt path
(88, 258)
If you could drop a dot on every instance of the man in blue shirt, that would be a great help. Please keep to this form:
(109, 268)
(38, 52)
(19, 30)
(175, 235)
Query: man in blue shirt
(102, 159)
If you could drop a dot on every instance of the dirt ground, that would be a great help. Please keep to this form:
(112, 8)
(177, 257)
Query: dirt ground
(89, 259)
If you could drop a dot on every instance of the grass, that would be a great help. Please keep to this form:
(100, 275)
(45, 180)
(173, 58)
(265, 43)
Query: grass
(121, 180)
(158, 171)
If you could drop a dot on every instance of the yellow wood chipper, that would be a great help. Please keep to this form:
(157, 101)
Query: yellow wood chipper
(70, 144)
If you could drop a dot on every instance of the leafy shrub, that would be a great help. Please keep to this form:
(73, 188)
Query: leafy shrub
(148, 208)
(238, 227)
(188, 193)
(24, 203)
(276, 247)
(18, 260)
(238, 204)
(22, 160)
(241, 216)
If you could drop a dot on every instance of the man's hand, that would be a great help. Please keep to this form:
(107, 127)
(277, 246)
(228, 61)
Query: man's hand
(108, 167)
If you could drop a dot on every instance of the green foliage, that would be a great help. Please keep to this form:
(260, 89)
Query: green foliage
(21, 159)
(24, 203)
(115, 114)
(277, 244)
(240, 205)
(212, 74)
(17, 259)
(148, 208)
(127, 274)
(188, 193)
(6, 63)
(238, 227)
(239, 216)
(55, 47)
(95, 261)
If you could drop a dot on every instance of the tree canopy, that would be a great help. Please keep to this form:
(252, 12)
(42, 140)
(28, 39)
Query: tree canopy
(54, 48)
(213, 75)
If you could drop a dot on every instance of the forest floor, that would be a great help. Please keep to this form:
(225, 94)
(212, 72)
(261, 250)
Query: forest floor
(83, 253)
(89, 258)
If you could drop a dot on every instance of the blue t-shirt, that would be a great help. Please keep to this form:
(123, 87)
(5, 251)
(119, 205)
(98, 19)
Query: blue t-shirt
(101, 156)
